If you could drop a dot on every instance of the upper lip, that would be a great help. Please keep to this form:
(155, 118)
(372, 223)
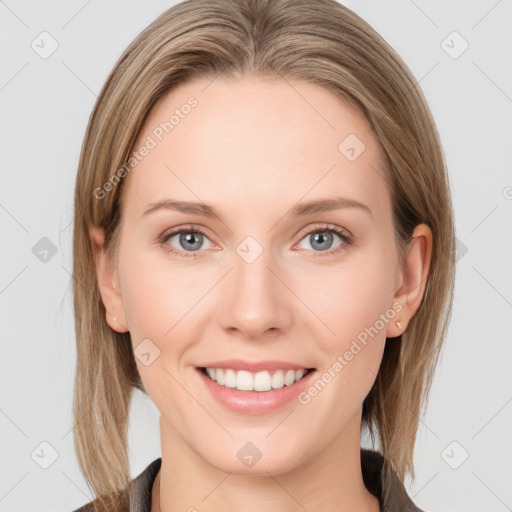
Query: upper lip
(255, 366)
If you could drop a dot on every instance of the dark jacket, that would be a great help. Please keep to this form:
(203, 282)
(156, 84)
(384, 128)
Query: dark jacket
(371, 465)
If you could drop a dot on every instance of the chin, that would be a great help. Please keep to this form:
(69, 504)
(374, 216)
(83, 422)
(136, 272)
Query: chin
(248, 461)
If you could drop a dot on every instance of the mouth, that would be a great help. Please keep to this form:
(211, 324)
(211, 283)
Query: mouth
(261, 381)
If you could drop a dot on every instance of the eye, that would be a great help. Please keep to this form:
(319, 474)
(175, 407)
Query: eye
(186, 242)
(321, 238)
(190, 238)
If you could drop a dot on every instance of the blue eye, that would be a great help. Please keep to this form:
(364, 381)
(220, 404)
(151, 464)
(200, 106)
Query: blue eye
(322, 237)
(190, 240)
(322, 240)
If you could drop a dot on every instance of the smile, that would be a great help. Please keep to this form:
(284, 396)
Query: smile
(255, 381)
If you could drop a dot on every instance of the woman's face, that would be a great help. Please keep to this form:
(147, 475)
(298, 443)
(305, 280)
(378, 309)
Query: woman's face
(268, 279)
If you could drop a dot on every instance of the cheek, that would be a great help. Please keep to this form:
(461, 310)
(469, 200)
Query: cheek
(147, 306)
(154, 295)
(162, 304)
(350, 298)
(356, 309)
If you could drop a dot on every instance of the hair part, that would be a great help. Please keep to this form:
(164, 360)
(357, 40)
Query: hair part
(323, 43)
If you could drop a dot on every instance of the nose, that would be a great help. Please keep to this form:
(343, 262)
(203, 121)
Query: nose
(256, 298)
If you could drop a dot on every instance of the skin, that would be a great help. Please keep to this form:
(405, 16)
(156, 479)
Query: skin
(253, 149)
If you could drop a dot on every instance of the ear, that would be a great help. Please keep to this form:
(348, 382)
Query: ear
(411, 280)
(108, 281)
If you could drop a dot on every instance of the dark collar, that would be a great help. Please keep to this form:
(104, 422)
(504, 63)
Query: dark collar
(397, 499)
(371, 464)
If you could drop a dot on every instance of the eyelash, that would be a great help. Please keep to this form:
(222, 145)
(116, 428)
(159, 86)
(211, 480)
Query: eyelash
(345, 237)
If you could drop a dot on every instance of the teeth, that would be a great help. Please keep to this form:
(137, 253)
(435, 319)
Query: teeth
(260, 381)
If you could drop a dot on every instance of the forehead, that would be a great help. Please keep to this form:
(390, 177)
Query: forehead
(248, 143)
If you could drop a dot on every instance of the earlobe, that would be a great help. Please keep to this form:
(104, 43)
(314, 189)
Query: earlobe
(106, 275)
(414, 275)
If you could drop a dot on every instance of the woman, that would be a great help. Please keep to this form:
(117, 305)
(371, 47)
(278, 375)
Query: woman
(232, 140)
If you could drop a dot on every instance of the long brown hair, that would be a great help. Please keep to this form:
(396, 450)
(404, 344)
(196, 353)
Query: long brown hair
(321, 42)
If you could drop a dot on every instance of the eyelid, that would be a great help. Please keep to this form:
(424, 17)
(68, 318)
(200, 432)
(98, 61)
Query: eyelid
(323, 226)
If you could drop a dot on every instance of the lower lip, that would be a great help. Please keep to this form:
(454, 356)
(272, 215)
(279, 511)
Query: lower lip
(255, 402)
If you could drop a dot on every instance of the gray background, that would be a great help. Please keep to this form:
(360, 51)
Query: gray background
(45, 106)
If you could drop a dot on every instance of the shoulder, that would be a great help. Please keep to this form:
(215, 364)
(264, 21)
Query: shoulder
(85, 508)
(392, 498)
(142, 486)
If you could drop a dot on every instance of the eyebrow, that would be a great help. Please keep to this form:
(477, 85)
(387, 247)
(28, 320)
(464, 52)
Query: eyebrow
(301, 209)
